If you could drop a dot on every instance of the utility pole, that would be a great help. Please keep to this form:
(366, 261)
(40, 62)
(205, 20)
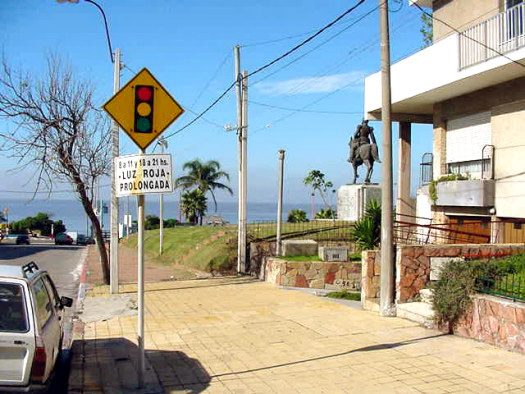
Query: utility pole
(244, 168)
(386, 305)
(238, 90)
(113, 245)
(278, 246)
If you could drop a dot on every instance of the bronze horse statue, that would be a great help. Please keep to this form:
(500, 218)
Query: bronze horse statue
(364, 154)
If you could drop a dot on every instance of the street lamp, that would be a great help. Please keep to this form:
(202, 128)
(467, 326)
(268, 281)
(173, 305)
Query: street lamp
(105, 22)
(115, 59)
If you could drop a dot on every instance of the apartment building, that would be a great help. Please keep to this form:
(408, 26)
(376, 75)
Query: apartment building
(470, 85)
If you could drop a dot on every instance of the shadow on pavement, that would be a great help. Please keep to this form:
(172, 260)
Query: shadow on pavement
(111, 365)
(11, 252)
(244, 280)
(381, 346)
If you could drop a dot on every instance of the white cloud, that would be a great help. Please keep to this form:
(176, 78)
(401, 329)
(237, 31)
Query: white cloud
(307, 85)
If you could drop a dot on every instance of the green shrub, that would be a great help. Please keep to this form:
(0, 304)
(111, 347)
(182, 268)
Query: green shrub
(326, 213)
(451, 297)
(367, 231)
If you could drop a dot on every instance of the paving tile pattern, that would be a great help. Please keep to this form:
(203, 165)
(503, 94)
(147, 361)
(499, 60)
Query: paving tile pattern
(233, 335)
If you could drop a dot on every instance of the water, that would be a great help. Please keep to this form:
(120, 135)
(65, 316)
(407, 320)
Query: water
(72, 213)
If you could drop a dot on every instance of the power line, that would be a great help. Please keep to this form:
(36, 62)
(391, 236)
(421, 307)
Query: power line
(295, 48)
(200, 115)
(304, 110)
(219, 68)
(316, 47)
(320, 31)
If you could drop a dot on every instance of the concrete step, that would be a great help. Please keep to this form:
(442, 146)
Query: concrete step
(426, 295)
(419, 312)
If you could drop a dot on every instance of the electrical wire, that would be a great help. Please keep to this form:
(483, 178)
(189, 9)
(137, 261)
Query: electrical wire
(219, 68)
(316, 47)
(303, 110)
(350, 55)
(289, 52)
(470, 38)
(304, 42)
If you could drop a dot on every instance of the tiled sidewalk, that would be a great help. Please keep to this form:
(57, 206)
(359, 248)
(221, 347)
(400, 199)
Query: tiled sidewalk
(234, 335)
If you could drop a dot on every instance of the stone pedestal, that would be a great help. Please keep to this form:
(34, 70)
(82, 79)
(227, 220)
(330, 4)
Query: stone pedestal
(352, 200)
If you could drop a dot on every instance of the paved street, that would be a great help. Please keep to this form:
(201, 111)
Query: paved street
(62, 262)
(232, 335)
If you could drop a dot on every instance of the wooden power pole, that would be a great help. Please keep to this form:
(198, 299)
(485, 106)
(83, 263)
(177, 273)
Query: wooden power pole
(386, 303)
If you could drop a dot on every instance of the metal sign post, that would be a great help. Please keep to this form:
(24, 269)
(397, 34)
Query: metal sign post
(143, 109)
(140, 286)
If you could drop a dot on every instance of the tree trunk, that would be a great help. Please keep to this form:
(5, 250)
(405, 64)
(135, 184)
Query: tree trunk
(88, 207)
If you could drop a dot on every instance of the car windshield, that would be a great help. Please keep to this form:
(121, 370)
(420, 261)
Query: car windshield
(13, 317)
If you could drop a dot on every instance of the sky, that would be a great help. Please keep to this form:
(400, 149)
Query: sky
(308, 104)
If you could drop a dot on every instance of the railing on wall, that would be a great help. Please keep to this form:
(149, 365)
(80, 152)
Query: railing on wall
(511, 285)
(413, 230)
(500, 34)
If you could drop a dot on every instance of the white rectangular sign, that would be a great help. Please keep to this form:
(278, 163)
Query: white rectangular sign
(143, 174)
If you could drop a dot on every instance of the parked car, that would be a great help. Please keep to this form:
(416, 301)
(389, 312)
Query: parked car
(90, 241)
(63, 239)
(22, 239)
(31, 332)
(81, 239)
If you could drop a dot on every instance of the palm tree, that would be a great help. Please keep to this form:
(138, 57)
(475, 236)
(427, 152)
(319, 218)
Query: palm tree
(193, 205)
(297, 216)
(204, 176)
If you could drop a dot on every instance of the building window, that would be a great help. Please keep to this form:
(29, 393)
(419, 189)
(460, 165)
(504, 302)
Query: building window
(468, 167)
(517, 226)
(513, 19)
(512, 3)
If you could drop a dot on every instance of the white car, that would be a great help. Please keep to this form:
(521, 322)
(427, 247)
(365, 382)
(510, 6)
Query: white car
(31, 319)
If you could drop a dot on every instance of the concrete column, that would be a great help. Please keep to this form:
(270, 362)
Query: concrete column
(439, 147)
(403, 203)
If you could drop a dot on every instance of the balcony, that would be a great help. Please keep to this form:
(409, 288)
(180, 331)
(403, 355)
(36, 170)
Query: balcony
(466, 193)
(481, 56)
(494, 37)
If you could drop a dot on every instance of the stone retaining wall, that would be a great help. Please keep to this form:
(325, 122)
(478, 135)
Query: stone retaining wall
(313, 274)
(413, 262)
(496, 321)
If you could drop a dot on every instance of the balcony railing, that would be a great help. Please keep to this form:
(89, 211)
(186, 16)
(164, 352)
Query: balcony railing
(500, 34)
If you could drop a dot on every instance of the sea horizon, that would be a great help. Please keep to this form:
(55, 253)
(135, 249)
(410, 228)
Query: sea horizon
(71, 212)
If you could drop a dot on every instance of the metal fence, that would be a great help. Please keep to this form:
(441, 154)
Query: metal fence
(318, 230)
(511, 285)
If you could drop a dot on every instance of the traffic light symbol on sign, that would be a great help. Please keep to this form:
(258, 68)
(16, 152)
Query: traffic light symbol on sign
(144, 95)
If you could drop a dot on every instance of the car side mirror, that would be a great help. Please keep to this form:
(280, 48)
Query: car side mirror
(66, 302)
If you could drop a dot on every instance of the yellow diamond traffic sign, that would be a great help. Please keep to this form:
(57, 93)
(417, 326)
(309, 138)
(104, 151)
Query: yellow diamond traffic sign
(143, 108)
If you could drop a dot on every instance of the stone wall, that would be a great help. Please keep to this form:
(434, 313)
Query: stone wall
(313, 274)
(370, 279)
(413, 262)
(371, 274)
(496, 321)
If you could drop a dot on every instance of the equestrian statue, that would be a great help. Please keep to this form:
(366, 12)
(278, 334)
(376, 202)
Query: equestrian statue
(363, 150)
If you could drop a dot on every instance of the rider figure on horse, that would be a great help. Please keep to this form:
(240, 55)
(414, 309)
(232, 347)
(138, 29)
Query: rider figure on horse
(362, 136)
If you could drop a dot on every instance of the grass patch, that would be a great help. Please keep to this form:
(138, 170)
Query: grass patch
(345, 295)
(302, 258)
(194, 243)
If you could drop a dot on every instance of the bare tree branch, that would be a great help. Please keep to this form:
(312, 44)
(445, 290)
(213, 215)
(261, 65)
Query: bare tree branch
(58, 132)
